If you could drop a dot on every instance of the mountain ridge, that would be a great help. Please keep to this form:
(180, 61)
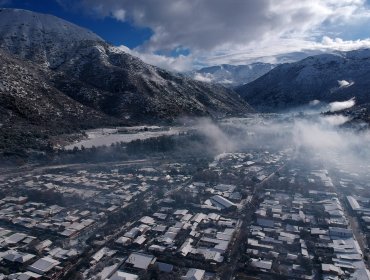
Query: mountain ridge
(324, 77)
(109, 73)
(70, 69)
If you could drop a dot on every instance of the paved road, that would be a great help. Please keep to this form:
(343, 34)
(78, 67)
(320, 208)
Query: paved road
(5, 173)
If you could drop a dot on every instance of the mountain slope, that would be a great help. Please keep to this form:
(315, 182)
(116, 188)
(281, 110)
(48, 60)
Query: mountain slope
(27, 93)
(327, 77)
(32, 110)
(105, 78)
(232, 75)
(125, 87)
(57, 78)
(42, 38)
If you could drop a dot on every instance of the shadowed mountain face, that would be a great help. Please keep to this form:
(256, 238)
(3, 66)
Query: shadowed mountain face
(28, 95)
(329, 77)
(32, 110)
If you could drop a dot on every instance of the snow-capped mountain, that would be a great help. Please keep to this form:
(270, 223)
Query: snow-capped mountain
(325, 77)
(105, 78)
(98, 75)
(55, 74)
(123, 86)
(27, 92)
(39, 37)
(32, 110)
(232, 75)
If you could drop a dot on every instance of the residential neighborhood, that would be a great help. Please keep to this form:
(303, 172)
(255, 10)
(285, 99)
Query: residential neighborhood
(259, 214)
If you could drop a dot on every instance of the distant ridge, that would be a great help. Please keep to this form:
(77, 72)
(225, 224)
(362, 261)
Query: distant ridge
(325, 77)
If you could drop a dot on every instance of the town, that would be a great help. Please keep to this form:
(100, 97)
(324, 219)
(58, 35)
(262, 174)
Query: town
(258, 214)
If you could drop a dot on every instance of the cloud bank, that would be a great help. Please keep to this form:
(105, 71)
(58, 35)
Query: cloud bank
(238, 31)
(317, 137)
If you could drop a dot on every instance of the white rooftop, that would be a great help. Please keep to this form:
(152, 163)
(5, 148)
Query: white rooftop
(140, 260)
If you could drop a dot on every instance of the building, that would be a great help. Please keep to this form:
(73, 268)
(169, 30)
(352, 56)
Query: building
(194, 274)
(340, 232)
(43, 266)
(121, 275)
(221, 202)
(140, 260)
(355, 206)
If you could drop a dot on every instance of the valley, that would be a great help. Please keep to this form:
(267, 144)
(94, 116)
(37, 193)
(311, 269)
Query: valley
(184, 140)
(228, 208)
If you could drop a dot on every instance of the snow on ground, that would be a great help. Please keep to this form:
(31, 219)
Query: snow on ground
(107, 136)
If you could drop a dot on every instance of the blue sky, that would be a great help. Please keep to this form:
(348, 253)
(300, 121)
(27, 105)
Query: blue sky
(181, 35)
(110, 29)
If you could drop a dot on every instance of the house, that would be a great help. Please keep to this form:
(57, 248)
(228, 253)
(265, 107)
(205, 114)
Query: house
(355, 206)
(140, 260)
(43, 266)
(194, 274)
(24, 276)
(263, 265)
(164, 267)
(15, 256)
(340, 232)
(121, 275)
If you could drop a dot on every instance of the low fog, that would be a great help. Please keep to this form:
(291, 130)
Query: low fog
(341, 105)
(310, 136)
(344, 83)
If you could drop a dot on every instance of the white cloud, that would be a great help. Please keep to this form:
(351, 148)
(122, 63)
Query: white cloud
(345, 84)
(238, 31)
(314, 102)
(344, 45)
(341, 105)
(217, 24)
(206, 77)
(285, 50)
(280, 50)
(177, 64)
(119, 14)
(335, 120)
